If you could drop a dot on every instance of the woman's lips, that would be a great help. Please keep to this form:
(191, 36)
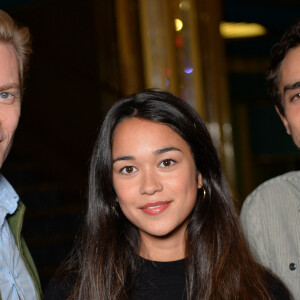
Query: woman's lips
(155, 207)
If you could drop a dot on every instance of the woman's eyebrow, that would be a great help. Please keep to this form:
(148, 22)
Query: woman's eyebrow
(164, 150)
(156, 152)
(124, 158)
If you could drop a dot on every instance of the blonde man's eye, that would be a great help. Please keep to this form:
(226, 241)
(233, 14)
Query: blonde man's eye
(5, 95)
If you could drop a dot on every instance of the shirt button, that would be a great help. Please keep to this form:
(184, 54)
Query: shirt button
(293, 266)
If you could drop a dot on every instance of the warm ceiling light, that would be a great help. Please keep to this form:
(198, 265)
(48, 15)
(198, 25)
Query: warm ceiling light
(232, 30)
(178, 24)
(184, 5)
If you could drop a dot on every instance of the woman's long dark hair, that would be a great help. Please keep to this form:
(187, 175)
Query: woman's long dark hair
(218, 265)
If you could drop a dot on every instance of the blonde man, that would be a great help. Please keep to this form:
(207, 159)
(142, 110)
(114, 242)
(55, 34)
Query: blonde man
(18, 275)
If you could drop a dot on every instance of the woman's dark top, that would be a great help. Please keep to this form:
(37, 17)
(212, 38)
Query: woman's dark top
(160, 281)
(157, 281)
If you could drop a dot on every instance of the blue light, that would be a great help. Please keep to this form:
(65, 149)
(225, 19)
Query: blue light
(188, 70)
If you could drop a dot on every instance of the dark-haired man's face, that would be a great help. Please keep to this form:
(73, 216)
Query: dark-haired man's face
(289, 86)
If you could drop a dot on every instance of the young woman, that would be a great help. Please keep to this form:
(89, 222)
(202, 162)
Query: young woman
(161, 222)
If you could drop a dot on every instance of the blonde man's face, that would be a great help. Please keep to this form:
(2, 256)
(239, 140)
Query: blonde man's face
(10, 102)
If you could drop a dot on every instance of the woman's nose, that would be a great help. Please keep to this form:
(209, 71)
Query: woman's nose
(150, 183)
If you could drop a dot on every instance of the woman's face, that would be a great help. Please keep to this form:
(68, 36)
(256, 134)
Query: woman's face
(154, 176)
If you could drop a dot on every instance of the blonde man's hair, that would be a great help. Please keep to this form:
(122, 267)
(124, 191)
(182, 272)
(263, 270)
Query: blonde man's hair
(19, 38)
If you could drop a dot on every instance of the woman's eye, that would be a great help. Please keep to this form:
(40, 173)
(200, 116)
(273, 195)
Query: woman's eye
(167, 163)
(128, 170)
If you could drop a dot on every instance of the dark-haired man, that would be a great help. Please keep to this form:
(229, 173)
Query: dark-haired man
(18, 275)
(271, 214)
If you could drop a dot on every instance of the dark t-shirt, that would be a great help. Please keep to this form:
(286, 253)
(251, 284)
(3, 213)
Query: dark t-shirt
(157, 281)
(160, 281)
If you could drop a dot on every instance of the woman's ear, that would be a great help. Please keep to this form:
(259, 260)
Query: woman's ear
(199, 180)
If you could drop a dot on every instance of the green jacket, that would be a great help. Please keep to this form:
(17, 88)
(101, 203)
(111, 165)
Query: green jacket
(15, 222)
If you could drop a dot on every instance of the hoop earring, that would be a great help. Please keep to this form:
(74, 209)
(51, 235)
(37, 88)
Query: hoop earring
(204, 193)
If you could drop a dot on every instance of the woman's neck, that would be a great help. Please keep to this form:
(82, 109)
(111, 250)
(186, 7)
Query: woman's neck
(166, 248)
